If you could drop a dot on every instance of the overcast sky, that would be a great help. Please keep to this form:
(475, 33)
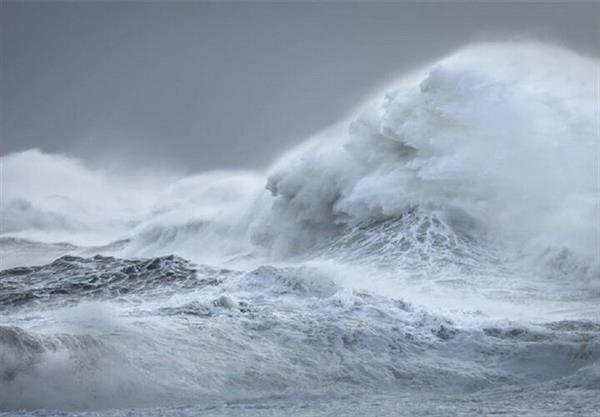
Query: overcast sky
(202, 85)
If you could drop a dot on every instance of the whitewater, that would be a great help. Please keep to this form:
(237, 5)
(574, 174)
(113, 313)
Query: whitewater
(436, 253)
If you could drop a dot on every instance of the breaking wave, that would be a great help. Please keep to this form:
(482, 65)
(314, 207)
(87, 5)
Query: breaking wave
(446, 239)
(501, 138)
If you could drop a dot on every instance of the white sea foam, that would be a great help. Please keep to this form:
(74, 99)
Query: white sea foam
(445, 240)
(505, 134)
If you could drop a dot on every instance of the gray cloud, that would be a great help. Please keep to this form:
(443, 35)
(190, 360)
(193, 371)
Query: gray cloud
(203, 85)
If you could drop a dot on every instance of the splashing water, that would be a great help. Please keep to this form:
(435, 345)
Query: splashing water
(444, 246)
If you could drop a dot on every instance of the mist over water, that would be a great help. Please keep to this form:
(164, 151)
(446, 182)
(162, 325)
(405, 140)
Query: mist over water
(443, 242)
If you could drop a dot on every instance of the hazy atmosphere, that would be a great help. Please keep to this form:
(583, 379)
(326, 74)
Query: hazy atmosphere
(196, 86)
(299, 209)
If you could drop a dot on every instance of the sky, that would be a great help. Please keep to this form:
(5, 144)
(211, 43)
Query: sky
(196, 86)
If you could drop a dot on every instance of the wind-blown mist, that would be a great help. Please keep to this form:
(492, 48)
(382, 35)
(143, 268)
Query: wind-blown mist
(443, 242)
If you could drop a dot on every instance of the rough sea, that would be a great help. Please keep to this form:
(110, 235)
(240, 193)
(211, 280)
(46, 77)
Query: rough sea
(435, 254)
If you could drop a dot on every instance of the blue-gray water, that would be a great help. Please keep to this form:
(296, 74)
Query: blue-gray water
(435, 255)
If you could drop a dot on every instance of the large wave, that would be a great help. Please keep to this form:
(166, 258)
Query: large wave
(446, 239)
(498, 138)
(504, 134)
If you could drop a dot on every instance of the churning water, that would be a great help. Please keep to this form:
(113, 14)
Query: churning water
(438, 254)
